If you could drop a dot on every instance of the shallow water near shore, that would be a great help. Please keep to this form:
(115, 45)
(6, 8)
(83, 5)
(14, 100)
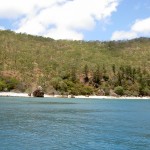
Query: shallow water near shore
(74, 124)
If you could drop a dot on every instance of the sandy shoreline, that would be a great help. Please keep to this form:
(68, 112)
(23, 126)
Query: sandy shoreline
(13, 94)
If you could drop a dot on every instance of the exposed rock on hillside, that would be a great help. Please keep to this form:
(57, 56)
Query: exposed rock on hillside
(112, 93)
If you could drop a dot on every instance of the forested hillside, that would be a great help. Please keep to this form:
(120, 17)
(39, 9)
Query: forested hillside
(74, 67)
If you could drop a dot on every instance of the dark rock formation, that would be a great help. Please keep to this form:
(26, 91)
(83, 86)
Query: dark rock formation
(29, 94)
(38, 92)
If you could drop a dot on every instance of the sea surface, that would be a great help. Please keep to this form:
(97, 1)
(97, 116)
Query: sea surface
(74, 124)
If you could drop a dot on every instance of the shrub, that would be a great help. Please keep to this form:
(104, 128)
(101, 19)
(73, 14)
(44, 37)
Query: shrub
(55, 82)
(62, 86)
(119, 90)
(86, 90)
(105, 77)
(2, 85)
(144, 91)
(11, 83)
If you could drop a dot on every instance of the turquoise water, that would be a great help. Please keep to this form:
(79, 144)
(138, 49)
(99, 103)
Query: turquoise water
(73, 124)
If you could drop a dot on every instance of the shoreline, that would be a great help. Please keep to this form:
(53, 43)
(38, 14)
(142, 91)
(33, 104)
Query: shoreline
(13, 94)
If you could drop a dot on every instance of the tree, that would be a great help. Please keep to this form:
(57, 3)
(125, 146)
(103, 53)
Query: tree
(2, 85)
(55, 82)
(62, 86)
(96, 76)
(119, 76)
(86, 71)
(119, 90)
(11, 83)
(104, 69)
(114, 68)
(73, 74)
(133, 74)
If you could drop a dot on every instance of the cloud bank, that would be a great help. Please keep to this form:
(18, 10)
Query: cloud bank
(58, 19)
(139, 28)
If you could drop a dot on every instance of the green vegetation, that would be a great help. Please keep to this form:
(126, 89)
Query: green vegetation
(74, 67)
(119, 90)
(7, 84)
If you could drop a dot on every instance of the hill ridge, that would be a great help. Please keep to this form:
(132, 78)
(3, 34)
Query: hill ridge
(35, 60)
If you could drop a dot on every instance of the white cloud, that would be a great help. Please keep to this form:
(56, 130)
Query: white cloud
(62, 33)
(2, 28)
(59, 19)
(138, 29)
(121, 35)
(142, 26)
(15, 8)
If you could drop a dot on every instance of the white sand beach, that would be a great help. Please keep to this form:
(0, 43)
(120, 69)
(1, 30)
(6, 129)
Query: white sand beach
(111, 97)
(13, 94)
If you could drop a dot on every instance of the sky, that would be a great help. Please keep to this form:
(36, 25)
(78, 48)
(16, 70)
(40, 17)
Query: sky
(88, 20)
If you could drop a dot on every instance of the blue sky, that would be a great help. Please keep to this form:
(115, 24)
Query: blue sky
(78, 19)
(128, 11)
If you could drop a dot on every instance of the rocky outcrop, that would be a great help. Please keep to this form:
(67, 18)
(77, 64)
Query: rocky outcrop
(101, 92)
(38, 92)
(112, 93)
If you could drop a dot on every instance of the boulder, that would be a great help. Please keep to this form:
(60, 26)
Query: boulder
(38, 92)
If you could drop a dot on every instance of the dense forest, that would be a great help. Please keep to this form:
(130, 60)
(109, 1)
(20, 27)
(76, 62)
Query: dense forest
(74, 67)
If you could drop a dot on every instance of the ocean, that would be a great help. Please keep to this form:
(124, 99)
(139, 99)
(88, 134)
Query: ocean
(74, 124)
